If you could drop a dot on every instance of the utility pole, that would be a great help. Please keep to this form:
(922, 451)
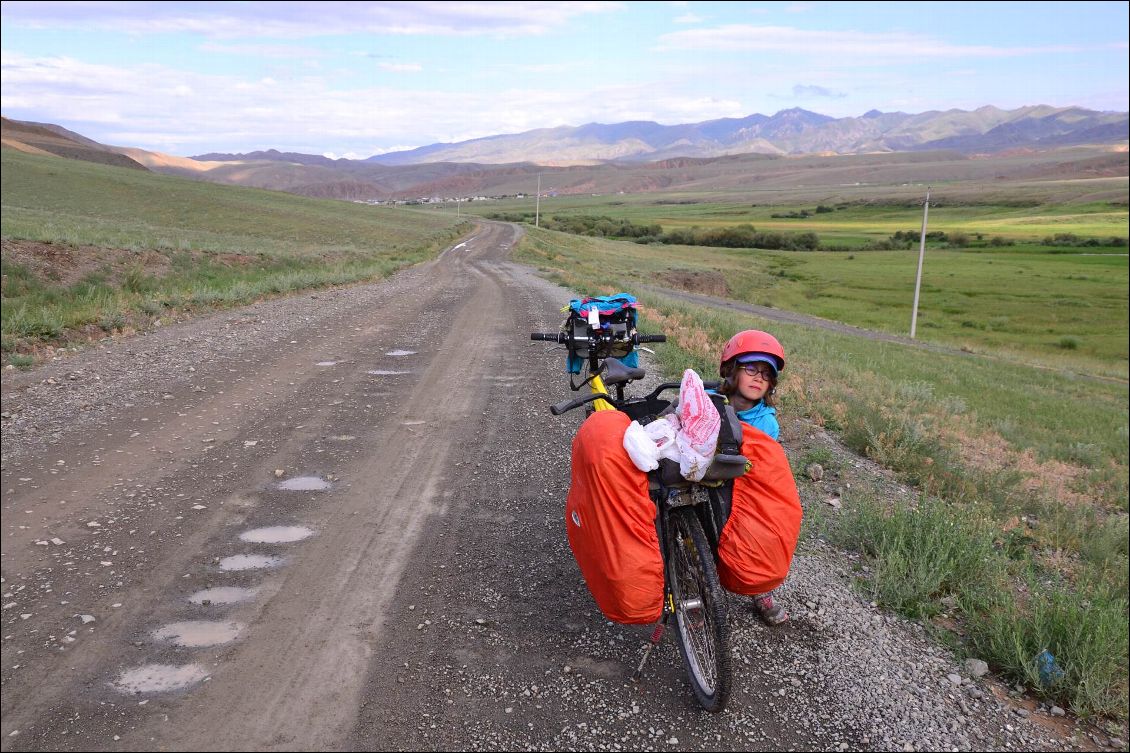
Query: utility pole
(537, 205)
(921, 256)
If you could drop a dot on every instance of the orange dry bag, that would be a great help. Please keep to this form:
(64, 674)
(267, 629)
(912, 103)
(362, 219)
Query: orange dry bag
(611, 523)
(758, 540)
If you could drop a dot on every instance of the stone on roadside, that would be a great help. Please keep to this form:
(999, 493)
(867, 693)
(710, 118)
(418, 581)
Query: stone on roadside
(976, 667)
(815, 471)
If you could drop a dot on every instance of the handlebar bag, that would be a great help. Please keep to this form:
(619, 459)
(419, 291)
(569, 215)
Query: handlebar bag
(757, 543)
(610, 521)
(618, 316)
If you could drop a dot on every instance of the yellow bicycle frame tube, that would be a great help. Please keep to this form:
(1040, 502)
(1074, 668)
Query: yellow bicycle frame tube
(597, 387)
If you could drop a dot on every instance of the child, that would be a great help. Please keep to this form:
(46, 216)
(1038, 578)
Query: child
(751, 361)
(749, 367)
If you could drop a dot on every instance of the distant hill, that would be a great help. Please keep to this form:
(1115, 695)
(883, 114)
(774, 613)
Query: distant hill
(794, 131)
(772, 176)
(39, 138)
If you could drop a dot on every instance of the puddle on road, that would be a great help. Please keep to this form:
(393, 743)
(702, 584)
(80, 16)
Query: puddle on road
(401, 353)
(304, 484)
(276, 535)
(326, 363)
(412, 423)
(223, 595)
(249, 562)
(199, 633)
(158, 678)
(386, 372)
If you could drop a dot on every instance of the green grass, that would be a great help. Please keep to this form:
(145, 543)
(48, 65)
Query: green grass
(1008, 607)
(1063, 311)
(158, 245)
(857, 222)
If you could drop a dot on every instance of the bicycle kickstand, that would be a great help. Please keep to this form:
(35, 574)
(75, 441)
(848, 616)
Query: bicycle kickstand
(656, 637)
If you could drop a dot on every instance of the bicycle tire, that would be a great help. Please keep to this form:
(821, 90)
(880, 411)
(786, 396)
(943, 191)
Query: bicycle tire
(701, 625)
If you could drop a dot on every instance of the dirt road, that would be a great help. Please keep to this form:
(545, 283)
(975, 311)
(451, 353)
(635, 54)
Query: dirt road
(334, 522)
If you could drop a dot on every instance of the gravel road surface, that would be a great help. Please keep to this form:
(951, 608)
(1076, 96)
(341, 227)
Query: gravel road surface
(334, 521)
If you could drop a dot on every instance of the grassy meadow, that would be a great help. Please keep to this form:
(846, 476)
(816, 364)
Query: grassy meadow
(1060, 306)
(1021, 469)
(91, 249)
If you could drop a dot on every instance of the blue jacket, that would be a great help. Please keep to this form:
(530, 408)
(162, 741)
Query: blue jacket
(763, 417)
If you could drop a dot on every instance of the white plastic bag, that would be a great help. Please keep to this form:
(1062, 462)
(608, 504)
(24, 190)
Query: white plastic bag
(663, 432)
(641, 448)
(699, 424)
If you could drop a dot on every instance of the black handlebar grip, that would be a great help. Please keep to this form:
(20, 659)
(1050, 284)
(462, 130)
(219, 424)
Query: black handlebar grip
(561, 407)
(550, 336)
(653, 338)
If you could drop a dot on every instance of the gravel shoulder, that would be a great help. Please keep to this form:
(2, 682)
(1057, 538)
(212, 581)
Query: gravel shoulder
(436, 604)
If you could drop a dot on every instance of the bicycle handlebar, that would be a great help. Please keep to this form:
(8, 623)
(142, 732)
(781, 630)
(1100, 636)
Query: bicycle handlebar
(560, 337)
(568, 405)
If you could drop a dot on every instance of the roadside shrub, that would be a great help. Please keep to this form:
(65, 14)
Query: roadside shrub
(1068, 342)
(960, 547)
(136, 281)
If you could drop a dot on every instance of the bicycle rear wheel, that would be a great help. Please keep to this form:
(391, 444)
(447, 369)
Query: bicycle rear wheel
(700, 609)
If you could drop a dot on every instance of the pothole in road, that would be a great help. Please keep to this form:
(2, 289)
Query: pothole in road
(401, 353)
(249, 562)
(199, 633)
(304, 484)
(223, 595)
(386, 372)
(276, 534)
(158, 678)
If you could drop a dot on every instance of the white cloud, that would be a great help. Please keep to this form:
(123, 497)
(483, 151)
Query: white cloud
(147, 106)
(280, 51)
(867, 45)
(688, 18)
(303, 19)
(401, 67)
(807, 91)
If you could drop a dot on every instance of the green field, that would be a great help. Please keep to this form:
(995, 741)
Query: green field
(1066, 311)
(1025, 220)
(148, 246)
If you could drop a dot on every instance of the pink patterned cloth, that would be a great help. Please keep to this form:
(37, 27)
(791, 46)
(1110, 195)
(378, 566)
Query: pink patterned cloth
(699, 424)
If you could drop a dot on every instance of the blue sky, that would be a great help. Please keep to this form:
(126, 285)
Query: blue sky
(362, 78)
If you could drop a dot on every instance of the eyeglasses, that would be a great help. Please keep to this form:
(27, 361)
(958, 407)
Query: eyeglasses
(757, 371)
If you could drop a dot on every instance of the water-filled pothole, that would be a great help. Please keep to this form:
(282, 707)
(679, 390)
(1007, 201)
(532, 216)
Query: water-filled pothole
(249, 562)
(157, 678)
(223, 595)
(304, 484)
(276, 535)
(198, 633)
(401, 353)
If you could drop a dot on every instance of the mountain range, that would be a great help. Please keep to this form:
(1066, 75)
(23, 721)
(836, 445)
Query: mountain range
(789, 132)
(794, 152)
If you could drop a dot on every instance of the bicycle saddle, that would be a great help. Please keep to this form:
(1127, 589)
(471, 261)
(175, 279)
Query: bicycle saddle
(615, 372)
